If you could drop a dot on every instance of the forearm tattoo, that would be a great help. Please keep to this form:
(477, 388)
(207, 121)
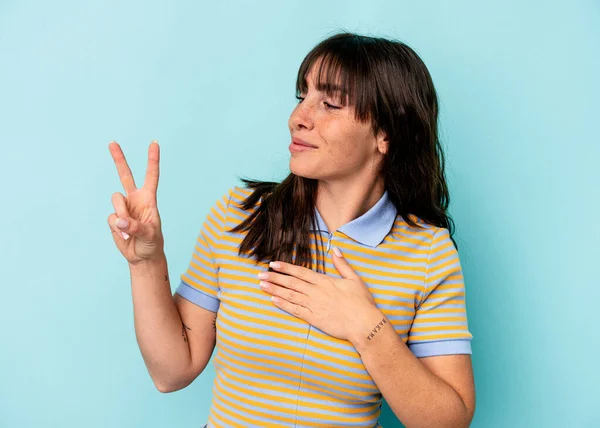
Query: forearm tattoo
(183, 327)
(215, 323)
(376, 329)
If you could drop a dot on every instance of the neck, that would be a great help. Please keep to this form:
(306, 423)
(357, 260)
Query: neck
(340, 202)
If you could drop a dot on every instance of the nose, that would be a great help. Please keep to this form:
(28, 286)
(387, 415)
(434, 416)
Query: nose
(302, 116)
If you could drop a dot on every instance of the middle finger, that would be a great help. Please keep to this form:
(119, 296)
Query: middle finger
(285, 293)
(122, 167)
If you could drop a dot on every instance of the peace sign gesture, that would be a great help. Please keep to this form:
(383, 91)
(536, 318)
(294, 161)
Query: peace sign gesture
(135, 224)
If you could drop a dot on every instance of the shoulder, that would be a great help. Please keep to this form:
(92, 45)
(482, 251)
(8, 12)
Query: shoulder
(233, 204)
(421, 239)
(239, 194)
(233, 197)
(421, 234)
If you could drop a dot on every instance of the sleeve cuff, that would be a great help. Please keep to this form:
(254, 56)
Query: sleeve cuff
(442, 347)
(198, 297)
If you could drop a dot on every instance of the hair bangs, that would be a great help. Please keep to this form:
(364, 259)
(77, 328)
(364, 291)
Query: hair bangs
(342, 73)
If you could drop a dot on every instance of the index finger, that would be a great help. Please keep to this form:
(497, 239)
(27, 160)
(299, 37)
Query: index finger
(151, 181)
(299, 272)
(122, 167)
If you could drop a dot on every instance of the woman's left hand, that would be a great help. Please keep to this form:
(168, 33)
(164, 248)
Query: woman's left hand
(341, 307)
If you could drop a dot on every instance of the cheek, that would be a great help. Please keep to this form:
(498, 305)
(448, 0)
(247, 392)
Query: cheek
(349, 147)
(345, 152)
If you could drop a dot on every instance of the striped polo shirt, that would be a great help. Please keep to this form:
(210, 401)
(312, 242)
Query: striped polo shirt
(275, 370)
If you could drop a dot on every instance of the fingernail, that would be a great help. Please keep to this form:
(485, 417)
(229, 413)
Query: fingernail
(125, 236)
(122, 223)
(275, 265)
(337, 251)
(263, 275)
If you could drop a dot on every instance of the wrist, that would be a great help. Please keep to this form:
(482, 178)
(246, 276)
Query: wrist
(369, 328)
(149, 265)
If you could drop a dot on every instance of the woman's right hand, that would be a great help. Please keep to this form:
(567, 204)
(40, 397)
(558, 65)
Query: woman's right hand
(140, 237)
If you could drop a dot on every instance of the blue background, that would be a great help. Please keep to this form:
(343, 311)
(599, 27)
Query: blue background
(214, 83)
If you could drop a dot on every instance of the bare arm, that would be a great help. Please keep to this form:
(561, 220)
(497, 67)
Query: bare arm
(425, 392)
(176, 337)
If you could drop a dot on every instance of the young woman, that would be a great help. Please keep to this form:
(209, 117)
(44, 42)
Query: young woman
(332, 289)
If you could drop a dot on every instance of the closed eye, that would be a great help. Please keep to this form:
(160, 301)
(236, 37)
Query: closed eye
(331, 106)
(328, 105)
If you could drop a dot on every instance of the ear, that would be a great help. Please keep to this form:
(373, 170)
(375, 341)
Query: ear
(382, 143)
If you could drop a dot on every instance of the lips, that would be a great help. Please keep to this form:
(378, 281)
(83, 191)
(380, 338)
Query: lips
(301, 142)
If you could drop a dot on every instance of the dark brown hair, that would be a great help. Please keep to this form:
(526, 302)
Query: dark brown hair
(389, 85)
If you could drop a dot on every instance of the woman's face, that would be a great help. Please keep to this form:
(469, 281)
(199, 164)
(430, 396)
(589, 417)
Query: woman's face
(328, 143)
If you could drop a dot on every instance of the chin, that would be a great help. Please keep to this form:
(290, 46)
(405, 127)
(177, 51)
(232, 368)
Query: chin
(304, 169)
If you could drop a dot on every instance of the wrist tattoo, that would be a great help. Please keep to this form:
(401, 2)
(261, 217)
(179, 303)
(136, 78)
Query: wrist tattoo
(376, 329)
(183, 327)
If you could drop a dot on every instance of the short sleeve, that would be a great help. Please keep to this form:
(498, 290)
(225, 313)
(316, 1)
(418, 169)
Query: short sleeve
(199, 283)
(440, 324)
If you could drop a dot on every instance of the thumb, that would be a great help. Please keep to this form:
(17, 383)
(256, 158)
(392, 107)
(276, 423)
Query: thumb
(342, 265)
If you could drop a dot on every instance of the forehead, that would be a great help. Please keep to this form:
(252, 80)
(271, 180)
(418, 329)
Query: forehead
(324, 77)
